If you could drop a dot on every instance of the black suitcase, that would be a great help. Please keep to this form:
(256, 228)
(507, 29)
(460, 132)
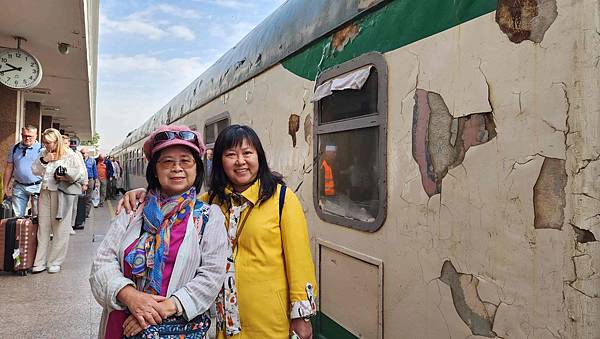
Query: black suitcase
(80, 217)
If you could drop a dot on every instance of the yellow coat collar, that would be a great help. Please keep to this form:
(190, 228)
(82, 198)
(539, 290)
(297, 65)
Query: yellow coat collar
(251, 194)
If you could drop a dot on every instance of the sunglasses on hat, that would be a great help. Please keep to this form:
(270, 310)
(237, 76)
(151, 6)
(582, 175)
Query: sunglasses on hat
(170, 135)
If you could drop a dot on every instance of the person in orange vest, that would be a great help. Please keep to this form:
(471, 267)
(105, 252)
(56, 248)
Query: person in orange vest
(328, 181)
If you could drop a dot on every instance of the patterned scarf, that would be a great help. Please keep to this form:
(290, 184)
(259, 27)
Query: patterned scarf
(149, 254)
(228, 317)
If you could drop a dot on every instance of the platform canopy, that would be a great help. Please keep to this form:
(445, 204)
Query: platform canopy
(67, 91)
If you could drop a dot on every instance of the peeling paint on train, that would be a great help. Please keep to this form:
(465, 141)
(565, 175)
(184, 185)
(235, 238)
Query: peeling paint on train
(440, 141)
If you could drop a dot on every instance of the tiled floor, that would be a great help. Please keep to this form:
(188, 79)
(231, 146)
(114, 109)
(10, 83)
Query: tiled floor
(56, 306)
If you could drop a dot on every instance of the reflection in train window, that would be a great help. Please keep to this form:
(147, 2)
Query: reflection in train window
(351, 117)
(214, 126)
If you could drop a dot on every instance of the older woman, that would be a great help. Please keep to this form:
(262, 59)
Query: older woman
(270, 288)
(161, 268)
(61, 177)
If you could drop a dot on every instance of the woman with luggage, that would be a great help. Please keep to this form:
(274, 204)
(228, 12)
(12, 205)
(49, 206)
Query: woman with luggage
(160, 269)
(61, 176)
(270, 281)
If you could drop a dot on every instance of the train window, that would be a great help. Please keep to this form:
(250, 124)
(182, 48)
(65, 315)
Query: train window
(351, 118)
(214, 126)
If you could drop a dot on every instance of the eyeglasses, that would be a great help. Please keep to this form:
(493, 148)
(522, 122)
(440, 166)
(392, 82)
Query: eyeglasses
(170, 135)
(170, 163)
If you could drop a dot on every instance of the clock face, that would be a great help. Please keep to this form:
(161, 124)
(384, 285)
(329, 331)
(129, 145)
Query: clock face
(19, 69)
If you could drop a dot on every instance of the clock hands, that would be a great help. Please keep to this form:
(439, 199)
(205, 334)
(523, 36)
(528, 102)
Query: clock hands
(9, 70)
(13, 68)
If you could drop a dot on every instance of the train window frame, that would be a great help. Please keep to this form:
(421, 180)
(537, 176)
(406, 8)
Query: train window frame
(377, 119)
(213, 121)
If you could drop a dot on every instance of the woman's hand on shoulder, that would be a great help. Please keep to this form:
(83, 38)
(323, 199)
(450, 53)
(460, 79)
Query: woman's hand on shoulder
(302, 328)
(130, 200)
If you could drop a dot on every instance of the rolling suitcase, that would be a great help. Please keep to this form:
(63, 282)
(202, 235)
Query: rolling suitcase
(18, 244)
(80, 216)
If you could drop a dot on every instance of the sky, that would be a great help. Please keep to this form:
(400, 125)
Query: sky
(149, 51)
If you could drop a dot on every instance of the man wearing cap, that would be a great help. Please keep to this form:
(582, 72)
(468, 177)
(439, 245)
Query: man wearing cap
(18, 165)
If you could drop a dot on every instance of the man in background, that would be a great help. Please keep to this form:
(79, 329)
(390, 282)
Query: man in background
(92, 175)
(102, 177)
(18, 165)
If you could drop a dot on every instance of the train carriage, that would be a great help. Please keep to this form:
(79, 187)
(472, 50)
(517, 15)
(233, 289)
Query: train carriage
(445, 152)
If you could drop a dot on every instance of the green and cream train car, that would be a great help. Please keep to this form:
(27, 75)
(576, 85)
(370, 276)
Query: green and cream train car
(459, 144)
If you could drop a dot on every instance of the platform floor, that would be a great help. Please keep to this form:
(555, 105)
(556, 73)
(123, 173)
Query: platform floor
(56, 306)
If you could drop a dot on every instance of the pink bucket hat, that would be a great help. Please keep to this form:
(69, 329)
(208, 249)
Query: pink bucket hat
(167, 139)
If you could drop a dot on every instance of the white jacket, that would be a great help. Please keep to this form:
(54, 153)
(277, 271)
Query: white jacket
(198, 272)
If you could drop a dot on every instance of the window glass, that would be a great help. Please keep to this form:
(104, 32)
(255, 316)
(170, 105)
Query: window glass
(221, 125)
(348, 172)
(350, 103)
(209, 134)
(212, 130)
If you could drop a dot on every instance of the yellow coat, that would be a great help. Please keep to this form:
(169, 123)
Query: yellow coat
(267, 280)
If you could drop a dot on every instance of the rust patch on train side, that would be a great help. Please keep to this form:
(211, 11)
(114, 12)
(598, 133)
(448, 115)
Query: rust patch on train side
(549, 195)
(441, 141)
(293, 127)
(524, 20)
(467, 302)
(342, 37)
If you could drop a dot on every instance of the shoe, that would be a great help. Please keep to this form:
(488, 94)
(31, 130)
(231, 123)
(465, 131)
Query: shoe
(54, 269)
(38, 269)
(78, 227)
(72, 232)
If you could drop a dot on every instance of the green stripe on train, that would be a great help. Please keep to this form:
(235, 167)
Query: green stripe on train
(395, 24)
(326, 328)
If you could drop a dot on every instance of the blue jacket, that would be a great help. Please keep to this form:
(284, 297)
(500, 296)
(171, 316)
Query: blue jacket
(92, 170)
(110, 171)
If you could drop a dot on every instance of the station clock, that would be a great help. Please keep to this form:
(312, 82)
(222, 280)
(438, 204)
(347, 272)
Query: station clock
(19, 69)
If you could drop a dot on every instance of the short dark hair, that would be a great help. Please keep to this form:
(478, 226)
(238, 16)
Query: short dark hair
(233, 136)
(152, 179)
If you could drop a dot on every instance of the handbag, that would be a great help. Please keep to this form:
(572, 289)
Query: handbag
(96, 196)
(177, 328)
